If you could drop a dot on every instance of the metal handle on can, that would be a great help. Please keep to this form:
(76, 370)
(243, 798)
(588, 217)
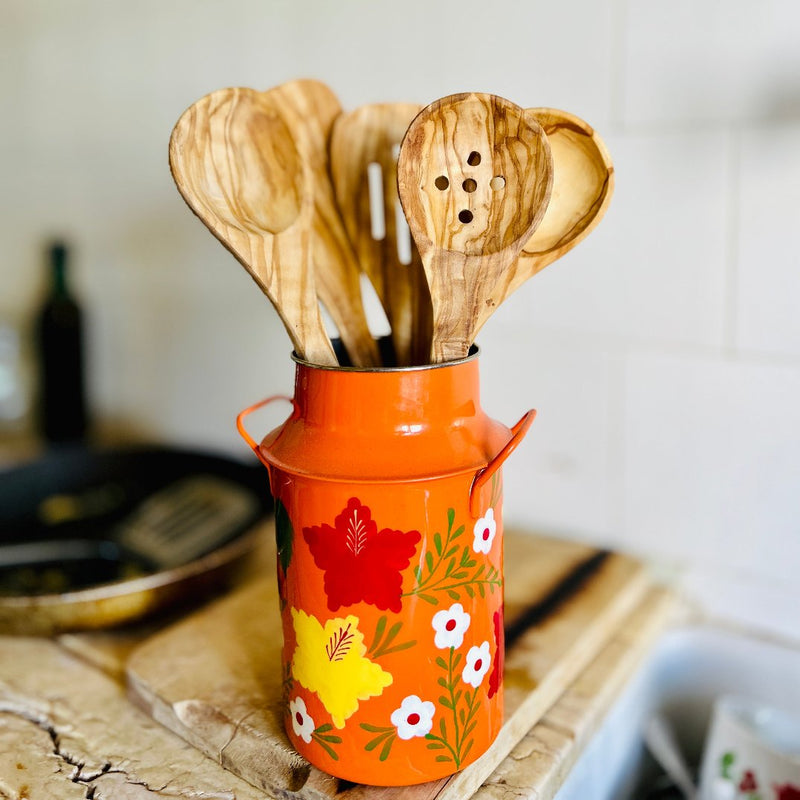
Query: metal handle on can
(482, 476)
(243, 431)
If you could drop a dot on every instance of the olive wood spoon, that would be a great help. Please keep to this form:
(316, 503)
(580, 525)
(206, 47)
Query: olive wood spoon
(310, 109)
(235, 163)
(474, 176)
(363, 154)
(583, 183)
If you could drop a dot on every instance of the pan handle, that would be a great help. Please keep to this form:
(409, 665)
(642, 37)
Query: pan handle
(243, 431)
(482, 476)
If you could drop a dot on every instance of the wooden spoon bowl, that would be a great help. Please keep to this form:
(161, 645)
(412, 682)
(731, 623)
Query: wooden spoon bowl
(583, 183)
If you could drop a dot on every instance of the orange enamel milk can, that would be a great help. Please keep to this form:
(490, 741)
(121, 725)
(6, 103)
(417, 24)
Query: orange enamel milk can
(388, 491)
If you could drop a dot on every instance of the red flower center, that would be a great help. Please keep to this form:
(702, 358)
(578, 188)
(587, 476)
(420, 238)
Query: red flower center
(450, 625)
(486, 534)
(478, 664)
(413, 719)
(299, 717)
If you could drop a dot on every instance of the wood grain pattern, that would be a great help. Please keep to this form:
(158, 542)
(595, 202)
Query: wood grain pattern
(68, 732)
(474, 175)
(311, 109)
(235, 162)
(365, 139)
(216, 676)
(583, 184)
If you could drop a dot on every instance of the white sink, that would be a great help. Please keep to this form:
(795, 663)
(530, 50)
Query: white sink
(688, 669)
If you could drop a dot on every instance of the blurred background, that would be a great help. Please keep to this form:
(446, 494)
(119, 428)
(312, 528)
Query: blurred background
(663, 353)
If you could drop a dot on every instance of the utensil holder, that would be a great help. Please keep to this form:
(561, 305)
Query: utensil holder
(388, 510)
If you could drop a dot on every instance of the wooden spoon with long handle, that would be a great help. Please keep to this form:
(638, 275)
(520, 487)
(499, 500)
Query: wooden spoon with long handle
(363, 153)
(310, 109)
(234, 161)
(475, 175)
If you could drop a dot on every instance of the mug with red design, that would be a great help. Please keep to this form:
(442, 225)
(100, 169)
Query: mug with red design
(752, 752)
(388, 512)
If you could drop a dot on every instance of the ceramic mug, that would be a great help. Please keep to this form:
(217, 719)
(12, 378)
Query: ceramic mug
(752, 752)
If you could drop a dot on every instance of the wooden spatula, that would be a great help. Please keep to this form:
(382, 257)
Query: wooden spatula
(475, 175)
(363, 151)
(310, 109)
(235, 162)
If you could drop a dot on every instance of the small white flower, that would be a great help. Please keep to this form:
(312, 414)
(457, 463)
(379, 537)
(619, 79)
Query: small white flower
(478, 662)
(723, 789)
(450, 626)
(413, 718)
(484, 532)
(302, 724)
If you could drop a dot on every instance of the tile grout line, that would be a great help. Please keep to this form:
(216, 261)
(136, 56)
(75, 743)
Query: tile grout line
(731, 252)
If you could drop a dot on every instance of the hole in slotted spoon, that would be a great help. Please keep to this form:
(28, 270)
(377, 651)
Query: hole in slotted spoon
(377, 216)
(469, 185)
(474, 158)
(465, 215)
(498, 182)
(441, 183)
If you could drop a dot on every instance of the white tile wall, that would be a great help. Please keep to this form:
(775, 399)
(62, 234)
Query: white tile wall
(768, 260)
(663, 354)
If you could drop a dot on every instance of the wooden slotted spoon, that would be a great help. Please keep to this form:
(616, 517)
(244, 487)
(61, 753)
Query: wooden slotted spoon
(475, 175)
(310, 109)
(235, 162)
(363, 153)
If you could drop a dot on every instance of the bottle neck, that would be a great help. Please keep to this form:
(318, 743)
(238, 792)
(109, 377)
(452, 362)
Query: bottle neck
(58, 261)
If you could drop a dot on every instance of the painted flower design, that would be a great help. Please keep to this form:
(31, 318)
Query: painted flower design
(478, 662)
(330, 660)
(413, 718)
(496, 675)
(361, 563)
(302, 724)
(484, 532)
(786, 791)
(748, 782)
(450, 626)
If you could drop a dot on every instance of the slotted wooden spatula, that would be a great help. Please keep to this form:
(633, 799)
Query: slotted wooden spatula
(475, 175)
(364, 147)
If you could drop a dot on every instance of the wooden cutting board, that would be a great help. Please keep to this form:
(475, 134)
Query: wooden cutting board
(215, 677)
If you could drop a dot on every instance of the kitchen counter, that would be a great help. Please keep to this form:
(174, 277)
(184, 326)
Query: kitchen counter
(69, 728)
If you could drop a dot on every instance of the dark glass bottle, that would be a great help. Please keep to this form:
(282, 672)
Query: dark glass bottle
(60, 344)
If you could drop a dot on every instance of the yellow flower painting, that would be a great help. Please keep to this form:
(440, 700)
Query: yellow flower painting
(330, 661)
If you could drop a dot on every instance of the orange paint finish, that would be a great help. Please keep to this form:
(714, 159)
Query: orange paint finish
(388, 494)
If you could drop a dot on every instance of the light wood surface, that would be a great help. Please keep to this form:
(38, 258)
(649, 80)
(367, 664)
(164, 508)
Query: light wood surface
(215, 678)
(236, 163)
(474, 175)
(365, 142)
(67, 730)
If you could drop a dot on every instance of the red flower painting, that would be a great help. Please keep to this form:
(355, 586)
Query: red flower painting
(787, 791)
(748, 782)
(361, 563)
(496, 676)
